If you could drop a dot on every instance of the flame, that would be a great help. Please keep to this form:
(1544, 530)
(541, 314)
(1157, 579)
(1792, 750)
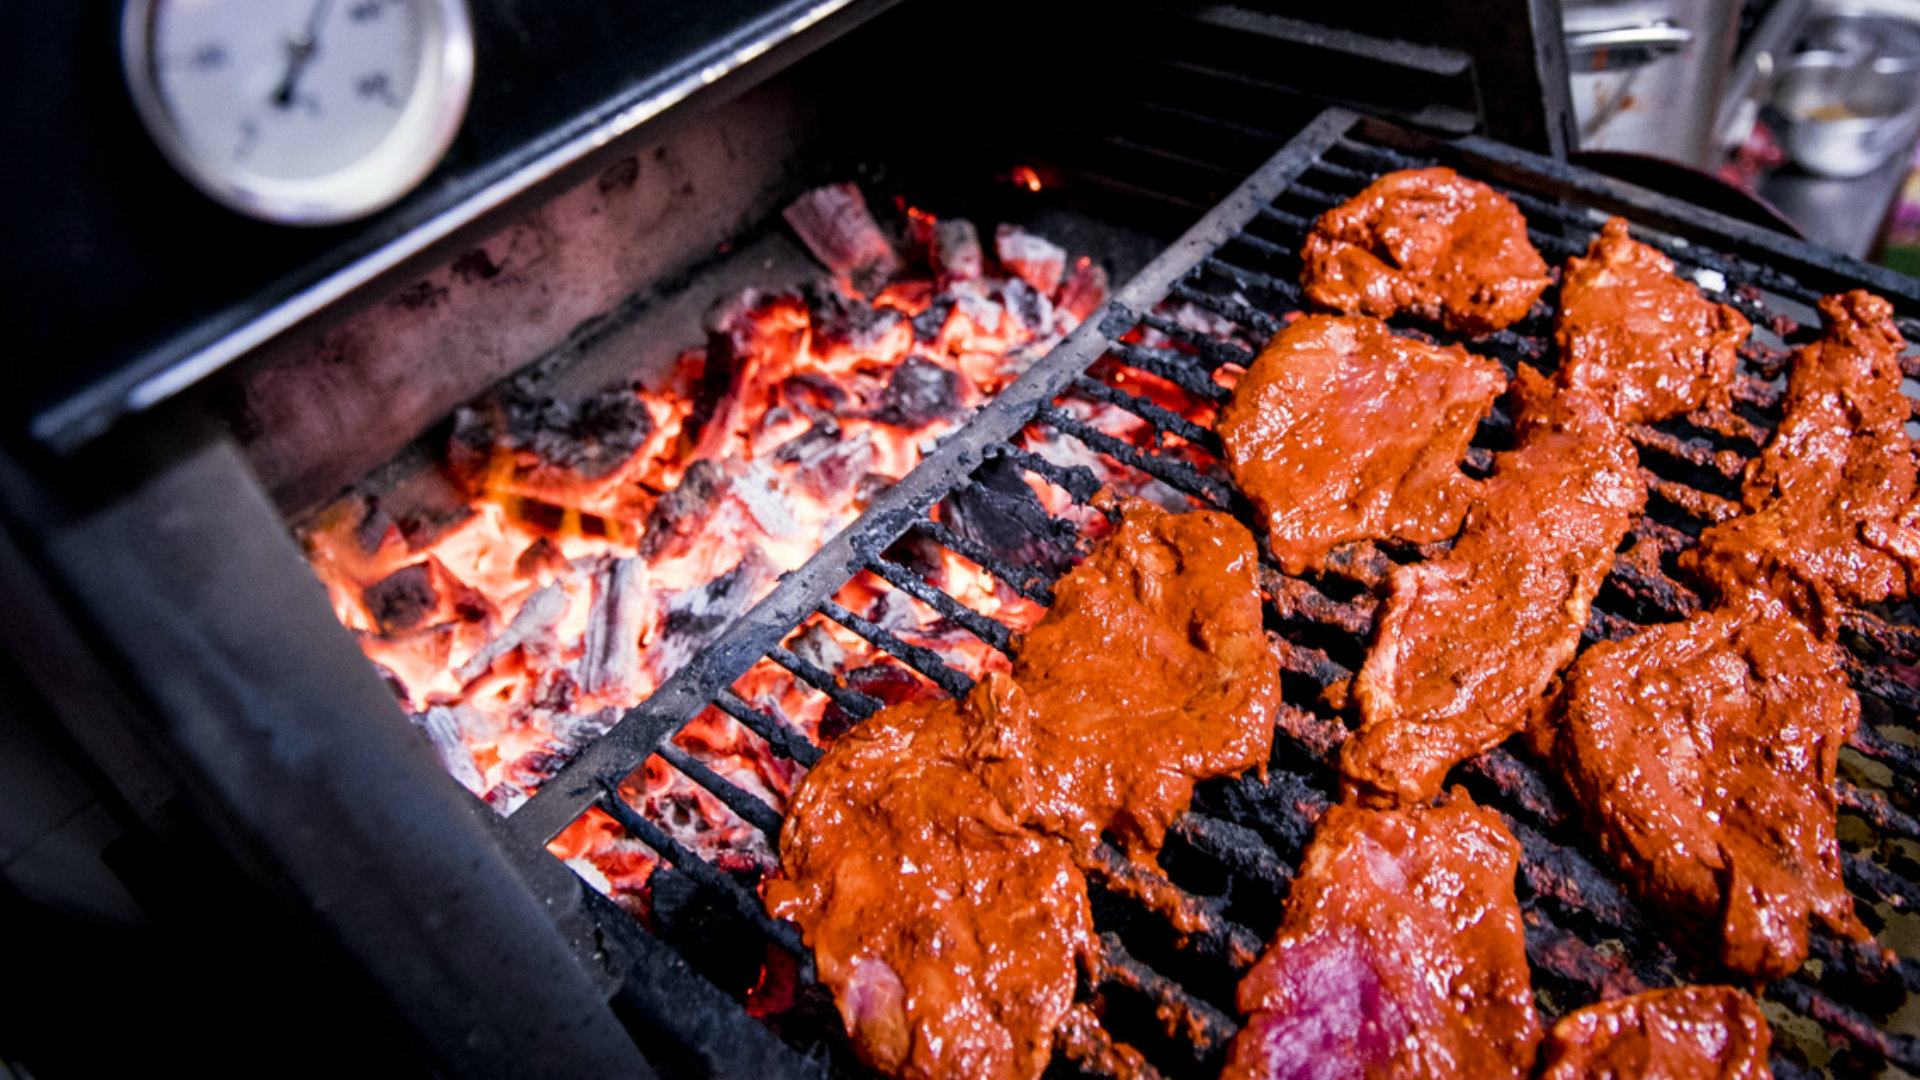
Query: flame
(1026, 177)
(480, 589)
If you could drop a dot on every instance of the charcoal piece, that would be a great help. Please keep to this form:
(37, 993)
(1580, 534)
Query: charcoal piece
(1000, 513)
(752, 337)
(841, 321)
(891, 684)
(696, 616)
(443, 730)
(1083, 291)
(402, 600)
(836, 226)
(677, 517)
(1036, 260)
(542, 554)
(1028, 306)
(815, 645)
(532, 629)
(551, 440)
(918, 393)
(929, 323)
(623, 608)
(956, 250)
(826, 464)
(707, 929)
(572, 732)
(373, 528)
(505, 797)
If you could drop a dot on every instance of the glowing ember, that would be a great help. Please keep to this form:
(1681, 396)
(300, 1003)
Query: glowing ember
(565, 558)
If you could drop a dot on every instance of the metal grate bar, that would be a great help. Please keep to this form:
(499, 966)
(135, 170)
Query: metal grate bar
(706, 875)
(907, 581)
(749, 808)
(777, 734)
(1162, 418)
(1172, 367)
(853, 702)
(1177, 474)
(1026, 581)
(919, 658)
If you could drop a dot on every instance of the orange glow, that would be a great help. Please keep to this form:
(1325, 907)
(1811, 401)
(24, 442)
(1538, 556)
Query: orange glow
(483, 619)
(1027, 178)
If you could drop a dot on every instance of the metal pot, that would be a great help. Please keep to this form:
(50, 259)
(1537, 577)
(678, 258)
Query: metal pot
(1851, 100)
(1647, 75)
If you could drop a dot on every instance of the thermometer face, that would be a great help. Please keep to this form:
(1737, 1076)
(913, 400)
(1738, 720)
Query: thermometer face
(301, 111)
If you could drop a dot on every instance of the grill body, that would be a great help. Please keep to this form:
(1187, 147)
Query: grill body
(1232, 858)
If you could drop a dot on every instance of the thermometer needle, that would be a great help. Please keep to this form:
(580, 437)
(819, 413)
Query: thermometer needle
(300, 53)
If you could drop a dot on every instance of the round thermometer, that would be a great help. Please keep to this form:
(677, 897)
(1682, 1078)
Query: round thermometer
(304, 112)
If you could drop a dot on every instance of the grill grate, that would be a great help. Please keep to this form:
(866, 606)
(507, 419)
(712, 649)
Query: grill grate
(1175, 946)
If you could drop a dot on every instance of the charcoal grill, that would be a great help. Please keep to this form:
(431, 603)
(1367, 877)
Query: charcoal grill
(1168, 991)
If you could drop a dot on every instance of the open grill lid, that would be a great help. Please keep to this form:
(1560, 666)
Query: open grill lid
(1231, 859)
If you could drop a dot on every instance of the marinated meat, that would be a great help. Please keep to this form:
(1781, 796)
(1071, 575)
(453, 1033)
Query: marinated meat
(1342, 430)
(1429, 242)
(1702, 755)
(1401, 955)
(1150, 672)
(929, 857)
(1639, 336)
(1468, 644)
(950, 936)
(1832, 515)
(1680, 1033)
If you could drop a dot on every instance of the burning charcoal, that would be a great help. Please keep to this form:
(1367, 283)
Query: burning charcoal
(929, 323)
(622, 609)
(843, 322)
(759, 490)
(676, 518)
(816, 645)
(892, 684)
(541, 555)
(753, 339)
(402, 600)
(1000, 513)
(986, 314)
(443, 728)
(695, 617)
(573, 732)
(532, 628)
(374, 526)
(956, 250)
(1084, 290)
(871, 485)
(918, 393)
(552, 443)
(826, 466)
(834, 223)
(894, 611)
(1034, 259)
(1028, 306)
(505, 797)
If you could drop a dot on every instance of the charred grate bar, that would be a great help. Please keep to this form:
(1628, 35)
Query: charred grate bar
(1175, 946)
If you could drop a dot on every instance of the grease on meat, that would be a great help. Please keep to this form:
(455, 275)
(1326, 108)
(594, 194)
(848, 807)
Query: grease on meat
(1679, 1033)
(1401, 955)
(1342, 430)
(950, 936)
(1150, 672)
(1428, 242)
(1468, 644)
(1702, 755)
(929, 857)
(1832, 513)
(1638, 336)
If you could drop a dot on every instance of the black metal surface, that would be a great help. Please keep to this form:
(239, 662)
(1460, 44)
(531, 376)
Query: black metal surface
(186, 629)
(1231, 858)
(122, 272)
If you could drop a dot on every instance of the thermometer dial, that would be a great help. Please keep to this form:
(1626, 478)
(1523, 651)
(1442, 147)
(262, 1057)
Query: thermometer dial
(303, 112)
